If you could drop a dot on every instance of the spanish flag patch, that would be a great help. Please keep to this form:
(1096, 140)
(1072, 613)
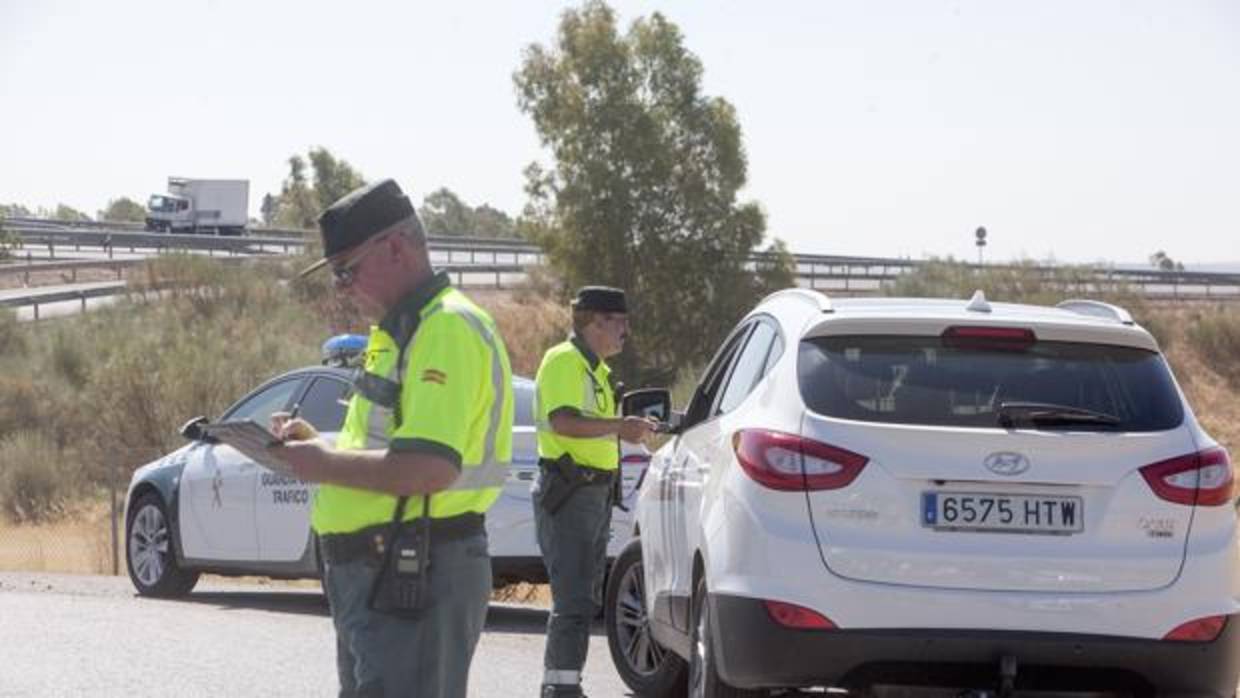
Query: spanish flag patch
(432, 375)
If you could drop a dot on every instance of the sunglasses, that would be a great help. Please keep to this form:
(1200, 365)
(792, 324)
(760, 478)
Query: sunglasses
(345, 274)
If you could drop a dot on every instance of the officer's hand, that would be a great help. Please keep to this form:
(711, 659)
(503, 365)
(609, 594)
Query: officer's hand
(306, 458)
(286, 428)
(636, 429)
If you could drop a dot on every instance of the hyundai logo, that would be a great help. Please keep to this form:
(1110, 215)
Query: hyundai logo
(1006, 463)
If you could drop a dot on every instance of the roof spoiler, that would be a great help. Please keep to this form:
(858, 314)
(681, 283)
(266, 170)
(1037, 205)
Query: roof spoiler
(1096, 309)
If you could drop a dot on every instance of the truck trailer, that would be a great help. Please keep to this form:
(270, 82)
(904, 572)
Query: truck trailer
(218, 206)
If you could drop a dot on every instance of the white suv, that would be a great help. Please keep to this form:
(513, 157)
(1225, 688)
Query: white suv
(894, 494)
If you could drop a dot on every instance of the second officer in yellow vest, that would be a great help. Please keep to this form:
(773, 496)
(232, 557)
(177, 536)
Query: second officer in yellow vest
(422, 455)
(579, 460)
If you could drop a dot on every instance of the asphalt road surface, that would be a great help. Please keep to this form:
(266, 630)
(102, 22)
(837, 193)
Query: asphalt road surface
(70, 635)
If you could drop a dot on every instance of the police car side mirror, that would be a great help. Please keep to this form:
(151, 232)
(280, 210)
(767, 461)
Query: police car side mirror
(653, 403)
(192, 430)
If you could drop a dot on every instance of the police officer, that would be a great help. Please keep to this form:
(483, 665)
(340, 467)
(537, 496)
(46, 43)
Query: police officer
(579, 460)
(428, 434)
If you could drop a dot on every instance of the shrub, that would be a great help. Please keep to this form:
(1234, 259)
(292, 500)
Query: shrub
(12, 338)
(1215, 334)
(36, 484)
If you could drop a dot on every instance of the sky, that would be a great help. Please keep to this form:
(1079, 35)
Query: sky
(1075, 131)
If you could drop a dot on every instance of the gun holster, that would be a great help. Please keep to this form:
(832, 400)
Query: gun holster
(560, 479)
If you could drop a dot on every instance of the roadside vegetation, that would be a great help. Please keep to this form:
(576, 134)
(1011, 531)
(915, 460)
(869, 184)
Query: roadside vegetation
(85, 400)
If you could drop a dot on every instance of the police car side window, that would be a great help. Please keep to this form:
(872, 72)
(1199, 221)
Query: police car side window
(259, 406)
(324, 404)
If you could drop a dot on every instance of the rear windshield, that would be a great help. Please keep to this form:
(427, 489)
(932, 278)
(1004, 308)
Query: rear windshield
(918, 380)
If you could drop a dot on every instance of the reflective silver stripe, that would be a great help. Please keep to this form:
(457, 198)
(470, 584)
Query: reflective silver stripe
(476, 477)
(561, 676)
(497, 388)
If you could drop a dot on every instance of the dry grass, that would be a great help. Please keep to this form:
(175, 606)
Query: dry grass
(79, 542)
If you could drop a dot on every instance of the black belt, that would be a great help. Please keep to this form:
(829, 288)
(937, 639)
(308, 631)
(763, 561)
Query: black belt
(339, 548)
(589, 474)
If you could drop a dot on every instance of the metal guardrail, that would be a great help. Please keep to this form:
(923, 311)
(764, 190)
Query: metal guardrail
(839, 273)
(37, 297)
(465, 275)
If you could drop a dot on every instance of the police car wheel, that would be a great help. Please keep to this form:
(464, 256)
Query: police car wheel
(149, 553)
(644, 665)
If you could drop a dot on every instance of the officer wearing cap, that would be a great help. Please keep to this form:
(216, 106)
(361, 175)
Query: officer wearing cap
(579, 460)
(425, 448)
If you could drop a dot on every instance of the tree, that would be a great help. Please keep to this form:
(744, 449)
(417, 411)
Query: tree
(64, 212)
(15, 211)
(270, 207)
(123, 209)
(300, 200)
(643, 193)
(444, 213)
(1161, 261)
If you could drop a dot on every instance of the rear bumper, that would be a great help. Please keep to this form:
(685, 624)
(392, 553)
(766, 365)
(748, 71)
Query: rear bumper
(760, 653)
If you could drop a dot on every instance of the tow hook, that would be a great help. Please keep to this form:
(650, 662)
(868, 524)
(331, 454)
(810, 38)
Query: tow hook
(1007, 681)
(1007, 675)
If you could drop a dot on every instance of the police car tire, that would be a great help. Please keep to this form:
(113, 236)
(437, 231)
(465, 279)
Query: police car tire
(173, 581)
(668, 679)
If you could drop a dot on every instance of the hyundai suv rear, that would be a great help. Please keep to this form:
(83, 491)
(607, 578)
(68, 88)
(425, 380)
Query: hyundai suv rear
(895, 495)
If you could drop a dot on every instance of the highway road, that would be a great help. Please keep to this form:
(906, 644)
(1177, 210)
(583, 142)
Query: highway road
(81, 635)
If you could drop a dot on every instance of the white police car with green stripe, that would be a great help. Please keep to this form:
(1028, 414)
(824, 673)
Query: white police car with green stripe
(207, 508)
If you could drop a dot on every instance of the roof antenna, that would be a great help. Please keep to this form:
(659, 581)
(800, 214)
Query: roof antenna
(977, 303)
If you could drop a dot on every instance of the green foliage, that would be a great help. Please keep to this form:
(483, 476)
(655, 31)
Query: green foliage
(643, 193)
(1021, 282)
(15, 211)
(124, 210)
(9, 241)
(1216, 336)
(65, 212)
(444, 213)
(1161, 261)
(301, 200)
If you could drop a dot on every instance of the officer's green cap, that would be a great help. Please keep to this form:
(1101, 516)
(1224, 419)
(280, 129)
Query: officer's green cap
(360, 215)
(603, 299)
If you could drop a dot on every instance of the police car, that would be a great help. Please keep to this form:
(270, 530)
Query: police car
(207, 508)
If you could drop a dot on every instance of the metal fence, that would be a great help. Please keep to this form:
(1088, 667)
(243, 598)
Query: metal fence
(87, 539)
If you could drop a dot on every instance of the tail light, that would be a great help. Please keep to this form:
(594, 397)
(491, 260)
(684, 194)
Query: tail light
(793, 616)
(1203, 478)
(792, 463)
(1199, 630)
(989, 338)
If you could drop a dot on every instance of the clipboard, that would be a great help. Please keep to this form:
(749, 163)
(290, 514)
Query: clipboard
(252, 440)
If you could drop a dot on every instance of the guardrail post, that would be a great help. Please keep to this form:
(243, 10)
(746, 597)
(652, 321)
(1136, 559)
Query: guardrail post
(83, 297)
(26, 273)
(36, 311)
(51, 249)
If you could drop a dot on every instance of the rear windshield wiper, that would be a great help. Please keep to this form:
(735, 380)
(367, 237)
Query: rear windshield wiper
(1047, 413)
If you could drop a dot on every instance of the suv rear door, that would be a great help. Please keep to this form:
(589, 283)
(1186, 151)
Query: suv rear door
(952, 498)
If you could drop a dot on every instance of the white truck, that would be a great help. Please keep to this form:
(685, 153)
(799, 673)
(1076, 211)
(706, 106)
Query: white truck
(218, 206)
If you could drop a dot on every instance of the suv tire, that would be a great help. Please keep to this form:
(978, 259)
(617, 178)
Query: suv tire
(645, 666)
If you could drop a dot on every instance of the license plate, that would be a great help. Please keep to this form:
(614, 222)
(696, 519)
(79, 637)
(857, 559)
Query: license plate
(1010, 513)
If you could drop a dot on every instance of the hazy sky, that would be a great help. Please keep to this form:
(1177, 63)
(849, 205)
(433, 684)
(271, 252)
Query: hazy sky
(1080, 129)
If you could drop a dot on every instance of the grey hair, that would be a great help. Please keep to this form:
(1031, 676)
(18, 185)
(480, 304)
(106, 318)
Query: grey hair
(411, 229)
